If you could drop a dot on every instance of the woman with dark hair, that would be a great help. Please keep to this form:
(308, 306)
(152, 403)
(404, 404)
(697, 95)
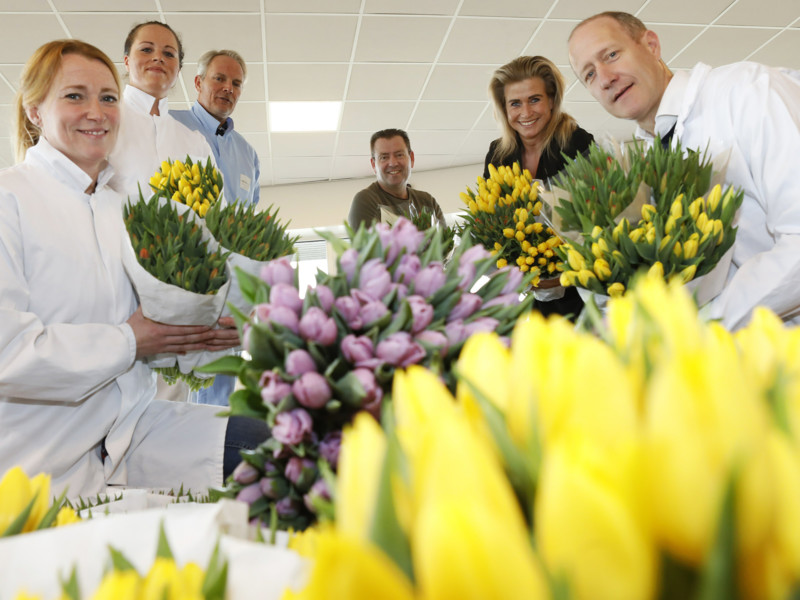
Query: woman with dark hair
(76, 396)
(527, 94)
(149, 134)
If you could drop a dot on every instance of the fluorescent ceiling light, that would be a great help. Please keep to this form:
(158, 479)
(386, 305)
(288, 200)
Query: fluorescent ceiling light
(304, 116)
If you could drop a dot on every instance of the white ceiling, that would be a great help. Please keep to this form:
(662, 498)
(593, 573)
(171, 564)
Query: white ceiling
(421, 65)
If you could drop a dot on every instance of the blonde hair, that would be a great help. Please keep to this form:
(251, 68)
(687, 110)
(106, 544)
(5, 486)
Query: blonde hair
(561, 125)
(36, 80)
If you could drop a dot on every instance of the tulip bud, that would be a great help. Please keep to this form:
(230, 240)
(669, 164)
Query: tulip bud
(284, 294)
(329, 448)
(287, 508)
(316, 326)
(245, 473)
(714, 197)
(466, 305)
(616, 290)
(407, 268)
(372, 391)
(648, 211)
(250, 494)
(301, 472)
(429, 279)
(278, 271)
(274, 487)
(273, 388)
(374, 279)
(350, 310)
(421, 313)
(292, 427)
(324, 296)
(357, 350)
(575, 260)
(279, 315)
(372, 311)
(602, 269)
(312, 390)
(347, 263)
(656, 270)
(399, 350)
(318, 490)
(299, 362)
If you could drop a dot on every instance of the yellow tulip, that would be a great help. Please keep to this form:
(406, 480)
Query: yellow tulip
(575, 260)
(676, 210)
(785, 483)
(484, 364)
(17, 492)
(67, 516)
(714, 196)
(501, 262)
(589, 526)
(699, 425)
(648, 211)
(360, 463)
(119, 585)
(466, 550)
(656, 270)
(349, 567)
(602, 269)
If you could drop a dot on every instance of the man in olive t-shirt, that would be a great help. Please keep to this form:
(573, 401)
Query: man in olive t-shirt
(390, 196)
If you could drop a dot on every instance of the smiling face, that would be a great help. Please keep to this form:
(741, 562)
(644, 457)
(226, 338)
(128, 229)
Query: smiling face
(153, 61)
(392, 162)
(528, 108)
(79, 116)
(625, 75)
(219, 91)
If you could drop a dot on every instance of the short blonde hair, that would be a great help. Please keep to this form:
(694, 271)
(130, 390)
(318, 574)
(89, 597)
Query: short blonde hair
(36, 80)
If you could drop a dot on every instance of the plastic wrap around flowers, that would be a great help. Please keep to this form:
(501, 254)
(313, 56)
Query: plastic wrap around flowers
(316, 362)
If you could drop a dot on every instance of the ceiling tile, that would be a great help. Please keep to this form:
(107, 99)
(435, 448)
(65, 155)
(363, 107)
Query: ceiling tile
(350, 167)
(550, 41)
(397, 82)
(303, 144)
(722, 45)
(751, 13)
(446, 115)
(306, 168)
(202, 32)
(509, 38)
(355, 144)
(17, 44)
(682, 11)
(250, 117)
(106, 31)
(383, 39)
(782, 51)
(431, 162)
(7, 90)
(435, 142)
(312, 6)
(26, 6)
(306, 81)
(674, 38)
(360, 116)
(132, 6)
(459, 82)
(487, 122)
(172, 6)
(506, 8)
(477, 142)
(410, 7)
(578, 10)
(11, 74)
(289, 37)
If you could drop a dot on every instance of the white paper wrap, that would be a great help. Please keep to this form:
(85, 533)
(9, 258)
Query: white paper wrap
(34, 562)
(173, 305)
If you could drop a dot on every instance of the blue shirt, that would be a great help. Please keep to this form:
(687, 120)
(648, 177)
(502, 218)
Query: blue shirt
(236, 158)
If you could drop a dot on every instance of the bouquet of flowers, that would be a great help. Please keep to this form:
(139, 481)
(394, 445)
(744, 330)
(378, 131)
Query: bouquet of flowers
(502, 217)
(669, 468)
(655, 213)
(191, 183)
(424, 220)
(26, 505)
(316, 362)
(180, 275)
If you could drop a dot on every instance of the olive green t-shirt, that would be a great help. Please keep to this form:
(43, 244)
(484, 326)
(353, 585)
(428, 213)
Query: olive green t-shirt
(374, 205)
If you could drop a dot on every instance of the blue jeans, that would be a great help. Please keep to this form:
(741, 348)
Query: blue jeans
(217, 394)
(242, 433)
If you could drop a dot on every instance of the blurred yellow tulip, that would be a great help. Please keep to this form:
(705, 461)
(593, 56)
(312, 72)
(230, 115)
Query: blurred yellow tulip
(360, 463)
(589, 523)
(119, 585)
(352, 568)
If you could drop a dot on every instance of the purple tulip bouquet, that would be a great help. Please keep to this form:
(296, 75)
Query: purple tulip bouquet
(314, 362)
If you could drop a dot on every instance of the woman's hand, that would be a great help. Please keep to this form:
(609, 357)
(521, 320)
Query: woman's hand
(153, 337)
(225, 336)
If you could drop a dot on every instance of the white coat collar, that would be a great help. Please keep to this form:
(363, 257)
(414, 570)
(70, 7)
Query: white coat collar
(63, 169)
(143, 102)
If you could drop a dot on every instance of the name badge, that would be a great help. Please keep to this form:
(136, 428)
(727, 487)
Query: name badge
(244, 182)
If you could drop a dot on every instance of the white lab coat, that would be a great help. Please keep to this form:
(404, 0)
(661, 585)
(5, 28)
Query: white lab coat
(68, 374)
(754, 111)
(145, 140)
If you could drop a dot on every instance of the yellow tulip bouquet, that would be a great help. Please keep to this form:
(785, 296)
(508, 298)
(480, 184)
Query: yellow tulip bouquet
(670, 468)
(164, 580)
(502, 217)
(26, 504)
(315, 362)
(191, 183)
(657, 212)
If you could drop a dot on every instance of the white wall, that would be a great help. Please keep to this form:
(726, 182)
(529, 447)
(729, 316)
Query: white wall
(327, 203)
